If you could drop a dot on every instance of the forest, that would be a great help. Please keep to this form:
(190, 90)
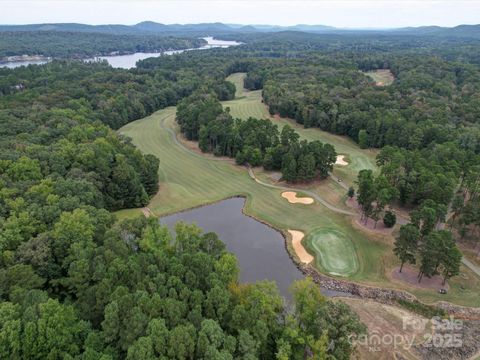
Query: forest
(97, 288)
(253, 142)
(80, 45)
(426, 122)
(77, 283)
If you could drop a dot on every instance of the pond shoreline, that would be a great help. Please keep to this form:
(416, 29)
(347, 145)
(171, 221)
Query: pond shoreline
(340, 287)
(333, 291)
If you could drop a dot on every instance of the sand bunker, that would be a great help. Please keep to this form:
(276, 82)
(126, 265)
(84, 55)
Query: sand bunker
(292, 198)
(341, 160)
(302, 254)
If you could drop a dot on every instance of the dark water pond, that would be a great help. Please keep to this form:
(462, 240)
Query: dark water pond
(260, 249)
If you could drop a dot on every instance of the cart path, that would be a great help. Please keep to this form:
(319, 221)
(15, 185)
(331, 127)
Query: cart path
(471, 265)
(252, 175)
(307, 192)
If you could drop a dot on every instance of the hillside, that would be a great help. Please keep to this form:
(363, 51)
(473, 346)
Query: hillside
(151, 27)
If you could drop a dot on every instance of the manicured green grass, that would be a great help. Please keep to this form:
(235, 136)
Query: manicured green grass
(237, 80)
(188, 180)
(334, 252)
(246, 103)
(382, 77)
(249, 104)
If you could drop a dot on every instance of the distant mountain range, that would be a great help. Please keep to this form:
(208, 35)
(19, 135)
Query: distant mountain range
(458, 31)
(153, 28)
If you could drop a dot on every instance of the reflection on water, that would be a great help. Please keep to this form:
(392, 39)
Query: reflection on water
(260, 250)
(14, 64)
(129, 61)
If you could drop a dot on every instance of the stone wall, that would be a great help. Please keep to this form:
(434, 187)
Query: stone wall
(362, 291)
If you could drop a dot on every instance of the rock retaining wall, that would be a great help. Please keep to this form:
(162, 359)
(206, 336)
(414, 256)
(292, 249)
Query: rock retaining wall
(386, 296)
(362, 291)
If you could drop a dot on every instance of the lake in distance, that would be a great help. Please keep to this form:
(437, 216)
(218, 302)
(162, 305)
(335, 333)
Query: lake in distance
(129, 61)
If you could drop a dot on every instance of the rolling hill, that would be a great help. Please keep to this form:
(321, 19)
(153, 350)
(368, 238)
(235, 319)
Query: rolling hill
(154, 28)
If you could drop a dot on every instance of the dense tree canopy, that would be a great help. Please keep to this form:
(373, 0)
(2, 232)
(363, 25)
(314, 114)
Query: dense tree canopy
(253, 141)
(131, 291)
(61, 44)
(75, 283)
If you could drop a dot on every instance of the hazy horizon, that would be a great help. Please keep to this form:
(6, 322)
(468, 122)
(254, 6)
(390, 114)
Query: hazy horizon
(355, 14)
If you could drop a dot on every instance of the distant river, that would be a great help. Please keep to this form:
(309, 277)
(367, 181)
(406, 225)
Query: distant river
(129, 61)
(260, 250)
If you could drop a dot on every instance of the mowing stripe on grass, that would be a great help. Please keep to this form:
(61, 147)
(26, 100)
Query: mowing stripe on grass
(334, 251)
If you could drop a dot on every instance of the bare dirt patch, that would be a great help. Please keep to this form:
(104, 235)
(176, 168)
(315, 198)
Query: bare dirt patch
(413, 336)
(302, 254)
(368, 224)
(409, 276)
(341, 160)
(292, 198)
(382, 77)
(385, 322)
(275, 176)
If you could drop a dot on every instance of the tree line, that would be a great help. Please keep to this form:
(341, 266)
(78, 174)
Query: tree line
(76, 283)
(426, 122)
(80, 45)
(421, 241)
(92, 289)
(256, 142)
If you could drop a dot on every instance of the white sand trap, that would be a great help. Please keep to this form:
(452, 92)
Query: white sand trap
(302, 254)
(341, 160)
(292, 198)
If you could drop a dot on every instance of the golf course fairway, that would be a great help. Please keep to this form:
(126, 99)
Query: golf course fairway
(189, 179)
(334, 251)
(249, 104)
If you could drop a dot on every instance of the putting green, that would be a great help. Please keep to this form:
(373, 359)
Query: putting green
(188, 180)
(334, 251)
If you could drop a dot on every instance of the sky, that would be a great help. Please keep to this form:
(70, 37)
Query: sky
(343, 13)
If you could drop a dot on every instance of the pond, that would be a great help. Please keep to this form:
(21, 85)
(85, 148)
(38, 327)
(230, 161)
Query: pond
(260, 250)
